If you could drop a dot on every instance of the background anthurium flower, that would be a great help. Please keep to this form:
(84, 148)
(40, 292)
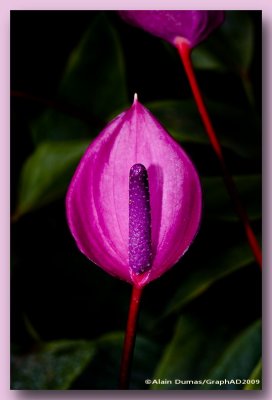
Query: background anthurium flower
(193, 26)
(98, 197)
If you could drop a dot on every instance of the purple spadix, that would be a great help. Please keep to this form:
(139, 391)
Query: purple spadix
(134, 203)
(140, 251)
(192, 25)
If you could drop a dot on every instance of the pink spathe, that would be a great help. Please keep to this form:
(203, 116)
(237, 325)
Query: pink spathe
(97, 201)
(192, 25)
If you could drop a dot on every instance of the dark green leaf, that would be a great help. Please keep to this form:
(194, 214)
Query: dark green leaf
(256, 375)
(201, 351)
(53, 366)
(47, 172)
(239, 358)
(231, 47)
(201, 276)
(93, 83)
(217, 204)
(94, 79)
(103, 372)
(194, 348)
(55, 125)
(237, 130)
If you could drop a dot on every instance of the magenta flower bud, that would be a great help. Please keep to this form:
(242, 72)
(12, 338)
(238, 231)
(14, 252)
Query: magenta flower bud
(194, 26)
(134, 203)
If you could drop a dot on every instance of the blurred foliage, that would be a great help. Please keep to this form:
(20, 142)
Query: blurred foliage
(226, 356)
(55, 365)
(93, 82)
(200, 277)
(182, 120)
(202, 319)
(256, 374)
(222, 52)
(107, 363)
(231, 48)
(47, 172)
(217, 203)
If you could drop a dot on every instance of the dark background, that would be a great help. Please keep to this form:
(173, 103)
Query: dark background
(55, 291)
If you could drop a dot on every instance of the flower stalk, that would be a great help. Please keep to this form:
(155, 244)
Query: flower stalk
(184, 51)
(130, 336)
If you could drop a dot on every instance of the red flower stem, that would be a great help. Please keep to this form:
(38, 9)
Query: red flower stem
(185, 55)
(130, 335)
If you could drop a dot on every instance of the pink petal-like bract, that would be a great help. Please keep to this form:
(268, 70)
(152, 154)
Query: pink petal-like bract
(194, 26)
(134, 203)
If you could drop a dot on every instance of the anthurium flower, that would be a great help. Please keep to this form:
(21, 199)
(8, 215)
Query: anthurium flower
(194, 26)
(134, 203)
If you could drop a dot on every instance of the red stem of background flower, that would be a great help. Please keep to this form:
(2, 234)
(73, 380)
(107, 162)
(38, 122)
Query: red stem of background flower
(185, 55)
(129, 340)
